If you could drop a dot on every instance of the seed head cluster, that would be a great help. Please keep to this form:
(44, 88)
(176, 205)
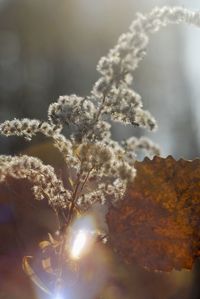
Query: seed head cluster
(44, 180)
(100, 167)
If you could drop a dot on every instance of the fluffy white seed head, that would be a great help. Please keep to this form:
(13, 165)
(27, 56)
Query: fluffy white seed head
(89, 152)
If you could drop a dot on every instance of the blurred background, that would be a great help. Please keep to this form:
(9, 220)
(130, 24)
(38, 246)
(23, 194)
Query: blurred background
(51, 47)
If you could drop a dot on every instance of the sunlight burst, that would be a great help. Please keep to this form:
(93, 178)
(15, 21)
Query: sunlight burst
(58, 296)
(79, 244)
(83, 236)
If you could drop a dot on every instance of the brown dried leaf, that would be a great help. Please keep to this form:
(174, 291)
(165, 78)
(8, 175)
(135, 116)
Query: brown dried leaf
(157, 224)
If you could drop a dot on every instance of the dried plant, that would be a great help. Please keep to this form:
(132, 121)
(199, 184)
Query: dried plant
(90, 153)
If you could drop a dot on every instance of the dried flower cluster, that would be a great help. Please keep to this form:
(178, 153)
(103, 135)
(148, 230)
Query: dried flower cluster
(99, 167)
(90, 150)
(45, 183)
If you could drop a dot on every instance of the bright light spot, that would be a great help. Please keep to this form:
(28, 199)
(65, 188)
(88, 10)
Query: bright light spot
(58, 296)
(79, 244)
(83, 235)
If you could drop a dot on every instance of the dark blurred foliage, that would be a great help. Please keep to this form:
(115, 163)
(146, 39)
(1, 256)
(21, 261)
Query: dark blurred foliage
(50, 48)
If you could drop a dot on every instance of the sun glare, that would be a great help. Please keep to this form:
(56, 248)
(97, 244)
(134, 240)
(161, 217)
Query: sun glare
(58, 296)
(79, 244)
(83, 237)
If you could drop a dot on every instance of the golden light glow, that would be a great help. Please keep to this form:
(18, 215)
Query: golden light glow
(79, 244)
(83, 236)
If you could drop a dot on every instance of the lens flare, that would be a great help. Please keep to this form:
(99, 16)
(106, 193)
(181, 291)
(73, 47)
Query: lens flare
(83, 237)
(58, 296)
(79, 244)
